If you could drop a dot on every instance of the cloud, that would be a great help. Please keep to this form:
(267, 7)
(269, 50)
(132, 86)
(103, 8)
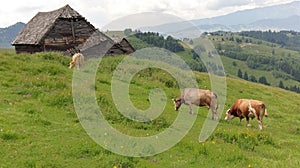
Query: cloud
(139, 20)
(220, 4)
(102, 12)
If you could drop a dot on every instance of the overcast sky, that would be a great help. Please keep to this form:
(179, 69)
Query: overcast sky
(103, 12)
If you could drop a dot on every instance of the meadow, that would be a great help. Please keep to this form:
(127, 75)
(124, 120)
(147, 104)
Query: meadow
(40, 128)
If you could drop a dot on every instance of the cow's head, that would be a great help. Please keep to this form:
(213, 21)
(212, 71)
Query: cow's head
(229, 116)
(177, 103)
(72, 64)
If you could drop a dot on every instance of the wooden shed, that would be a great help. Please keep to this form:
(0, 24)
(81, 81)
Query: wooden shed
(97, 45)
(121, 46)
(63, 30)
(58, 30)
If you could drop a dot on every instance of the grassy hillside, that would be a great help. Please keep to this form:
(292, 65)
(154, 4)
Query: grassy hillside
(257, 58)
(39, 126)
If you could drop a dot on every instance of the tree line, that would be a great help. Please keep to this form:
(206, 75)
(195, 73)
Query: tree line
(287, 39)
(263, 80)
(157, 40)
(252, 78)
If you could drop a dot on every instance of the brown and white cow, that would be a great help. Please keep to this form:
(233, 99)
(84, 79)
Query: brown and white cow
(198, 97)
(77, 60)
(247, 108)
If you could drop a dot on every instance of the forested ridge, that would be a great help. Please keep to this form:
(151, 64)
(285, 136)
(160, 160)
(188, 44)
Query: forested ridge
(287, 39)
(270, 58)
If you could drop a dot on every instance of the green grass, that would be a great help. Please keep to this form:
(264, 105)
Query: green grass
(39, 126)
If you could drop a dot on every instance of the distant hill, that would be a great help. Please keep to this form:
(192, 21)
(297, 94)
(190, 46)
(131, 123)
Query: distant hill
(277, 17)
(252, 15)
(8, 34)
(290, 23)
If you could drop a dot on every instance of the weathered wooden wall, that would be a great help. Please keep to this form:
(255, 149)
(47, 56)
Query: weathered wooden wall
(67, 34)
(28, 48)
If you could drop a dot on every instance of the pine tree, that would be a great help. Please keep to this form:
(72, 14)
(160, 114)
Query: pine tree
(240, 74)
(281, 85)
(246, 76)
(263, 80)
(253, 78)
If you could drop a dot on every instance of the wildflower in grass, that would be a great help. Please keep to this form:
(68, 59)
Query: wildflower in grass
(249, 166)
(213, 142)
(115, 167)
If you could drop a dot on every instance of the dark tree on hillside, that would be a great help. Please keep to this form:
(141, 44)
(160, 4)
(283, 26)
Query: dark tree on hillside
(281, 85)
(246, 76)
(240, 74)
(295, 89)
(234, 63)
(273, 52)
(195, 55)
(252, 78)
(263, 80)
(238, 40)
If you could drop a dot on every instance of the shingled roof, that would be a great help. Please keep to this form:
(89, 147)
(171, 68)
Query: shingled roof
(41, 23)
(96, 45)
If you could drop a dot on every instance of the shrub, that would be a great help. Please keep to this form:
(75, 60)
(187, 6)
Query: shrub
(61, 100)
(169, 84)
(8, 136)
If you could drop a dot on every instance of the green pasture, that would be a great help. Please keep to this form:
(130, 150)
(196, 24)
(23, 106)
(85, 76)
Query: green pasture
(40, 128)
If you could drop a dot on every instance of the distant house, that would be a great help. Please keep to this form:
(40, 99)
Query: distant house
(62, 30)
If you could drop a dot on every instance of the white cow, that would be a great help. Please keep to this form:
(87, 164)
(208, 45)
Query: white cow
(77, 60)
(198, 97)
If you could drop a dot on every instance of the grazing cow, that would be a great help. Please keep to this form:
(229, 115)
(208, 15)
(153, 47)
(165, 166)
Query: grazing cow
(247, 108)
(198, 97)
(77, 59)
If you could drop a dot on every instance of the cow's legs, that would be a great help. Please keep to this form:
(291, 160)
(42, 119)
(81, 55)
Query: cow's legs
(260, 125)
(241, 120)
(214, 114)
(191, 109)
(248, 123)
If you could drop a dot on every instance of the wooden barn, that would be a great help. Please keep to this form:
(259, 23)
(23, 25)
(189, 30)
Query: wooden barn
(62, 30)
